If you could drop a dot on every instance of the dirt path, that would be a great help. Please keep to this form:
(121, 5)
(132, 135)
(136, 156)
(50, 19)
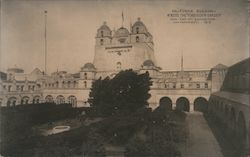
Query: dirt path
(201, 141)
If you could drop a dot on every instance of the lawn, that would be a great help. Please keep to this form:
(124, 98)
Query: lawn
(90, 136)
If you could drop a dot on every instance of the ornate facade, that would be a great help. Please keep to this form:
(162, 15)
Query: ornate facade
(114, 51)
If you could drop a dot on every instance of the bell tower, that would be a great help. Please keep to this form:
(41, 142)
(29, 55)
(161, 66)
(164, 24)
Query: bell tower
(123, 49)
(104, 35)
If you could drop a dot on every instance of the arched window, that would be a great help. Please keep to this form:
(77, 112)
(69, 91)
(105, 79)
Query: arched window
(137, 30)
(101, 41)
(68, 84)
(101, 33)
(85, 75)
(85, 84)
(118, 65)
(137, 38)
(57, 84)
(72, 100)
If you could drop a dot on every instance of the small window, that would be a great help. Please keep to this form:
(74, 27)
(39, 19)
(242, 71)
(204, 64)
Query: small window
(101, 41)
(22, 88)
(85, 84)
(122, 40)
(137, 38)
(206, 85)
(9, 88)
(137, 30)
(118, 65)
(74, 84)
(85, 76)
(174, 86)
(182, 85)
(197, 85)
(101, 33)
(166, 85)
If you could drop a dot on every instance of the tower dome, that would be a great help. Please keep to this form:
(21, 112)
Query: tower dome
(148, 63)
(88, 66)
(122, 32)
(139, 27)
(139, 22)
(104, 31)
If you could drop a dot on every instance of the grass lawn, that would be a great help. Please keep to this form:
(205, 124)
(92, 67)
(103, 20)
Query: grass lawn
(88, 136)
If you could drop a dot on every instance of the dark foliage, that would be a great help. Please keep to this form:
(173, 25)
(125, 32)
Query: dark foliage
(125, 93)
(164, 130)
(157, 148)
(17, 122)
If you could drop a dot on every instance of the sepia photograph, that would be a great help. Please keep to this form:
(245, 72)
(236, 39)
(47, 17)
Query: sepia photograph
(124, 78)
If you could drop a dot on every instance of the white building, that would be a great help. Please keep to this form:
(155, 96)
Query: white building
(114, 51)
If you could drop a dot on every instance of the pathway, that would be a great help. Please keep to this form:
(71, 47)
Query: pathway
(201, 141)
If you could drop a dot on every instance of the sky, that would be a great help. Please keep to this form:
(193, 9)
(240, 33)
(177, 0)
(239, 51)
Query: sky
(72, 27)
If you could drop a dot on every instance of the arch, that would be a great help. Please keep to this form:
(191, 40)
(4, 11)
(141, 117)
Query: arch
(241, 127)
(49, 99)
(36, 99)
(200, 104)
(60, 99)
(12, 101)
(137, 39)
(118, 65)
(166, 103)
(25, 100)
(72, 100)
(182, 104)
(226, 111)
(232, 119)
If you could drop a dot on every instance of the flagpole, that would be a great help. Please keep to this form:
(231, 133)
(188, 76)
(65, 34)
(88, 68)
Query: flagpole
(122, 18)
(181, 60)
(45, 39)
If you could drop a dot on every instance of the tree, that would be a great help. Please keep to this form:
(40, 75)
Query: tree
(126, 92)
